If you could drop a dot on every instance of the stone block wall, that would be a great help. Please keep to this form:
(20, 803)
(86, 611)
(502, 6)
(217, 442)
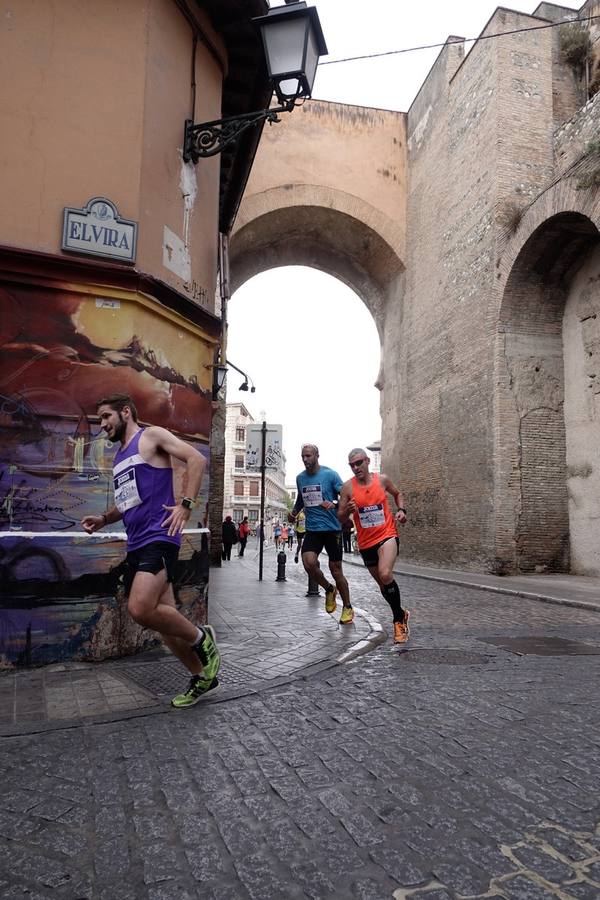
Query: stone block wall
(473, 167)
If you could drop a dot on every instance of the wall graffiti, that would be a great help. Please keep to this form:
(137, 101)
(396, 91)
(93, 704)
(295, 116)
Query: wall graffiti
(62, 593)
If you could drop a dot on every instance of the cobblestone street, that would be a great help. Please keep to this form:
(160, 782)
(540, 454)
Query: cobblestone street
(465, 766)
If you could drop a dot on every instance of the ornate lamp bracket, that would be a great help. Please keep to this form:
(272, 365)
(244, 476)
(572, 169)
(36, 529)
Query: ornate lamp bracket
(209, 138)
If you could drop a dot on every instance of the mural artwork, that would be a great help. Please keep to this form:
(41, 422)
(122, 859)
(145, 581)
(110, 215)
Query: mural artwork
(62, 595)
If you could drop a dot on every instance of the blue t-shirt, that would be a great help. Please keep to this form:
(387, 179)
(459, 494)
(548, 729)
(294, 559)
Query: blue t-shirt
(325, 484)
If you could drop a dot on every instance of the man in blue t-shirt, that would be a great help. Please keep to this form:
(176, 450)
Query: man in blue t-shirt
(318, 491)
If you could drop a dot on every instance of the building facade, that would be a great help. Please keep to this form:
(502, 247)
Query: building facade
(374, 451)
(242, 484)
(108, 266)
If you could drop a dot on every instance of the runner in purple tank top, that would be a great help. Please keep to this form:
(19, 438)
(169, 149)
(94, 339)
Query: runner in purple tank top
(144, 499)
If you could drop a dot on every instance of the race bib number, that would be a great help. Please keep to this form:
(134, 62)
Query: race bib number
(126, 491)
(371, 516)
(312, 495)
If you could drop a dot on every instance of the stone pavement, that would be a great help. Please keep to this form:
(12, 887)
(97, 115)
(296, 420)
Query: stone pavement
(267, 633)
(466, 765)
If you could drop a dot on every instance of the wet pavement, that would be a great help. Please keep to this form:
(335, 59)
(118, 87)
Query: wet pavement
(465, 765)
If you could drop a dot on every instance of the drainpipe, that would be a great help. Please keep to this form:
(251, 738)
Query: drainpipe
(217, 431)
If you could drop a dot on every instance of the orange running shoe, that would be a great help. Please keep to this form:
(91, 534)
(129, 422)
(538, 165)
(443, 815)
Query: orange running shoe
(402, 630)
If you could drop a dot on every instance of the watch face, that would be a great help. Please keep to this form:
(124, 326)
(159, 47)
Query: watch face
(187, 503)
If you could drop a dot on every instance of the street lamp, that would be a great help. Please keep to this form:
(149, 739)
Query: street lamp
(220, 374)
(293, 42)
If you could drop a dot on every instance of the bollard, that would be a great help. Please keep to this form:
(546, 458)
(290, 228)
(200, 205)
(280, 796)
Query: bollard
(281, 559)
(313, 588)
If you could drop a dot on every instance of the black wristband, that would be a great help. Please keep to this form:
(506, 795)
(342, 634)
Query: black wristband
(105, 520)
(401, 509)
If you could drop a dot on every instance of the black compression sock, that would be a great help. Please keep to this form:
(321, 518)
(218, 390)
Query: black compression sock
(391, 592)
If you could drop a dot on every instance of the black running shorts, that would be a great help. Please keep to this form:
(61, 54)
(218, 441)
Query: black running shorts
(330, 541)
(152, 558)
(371, 556)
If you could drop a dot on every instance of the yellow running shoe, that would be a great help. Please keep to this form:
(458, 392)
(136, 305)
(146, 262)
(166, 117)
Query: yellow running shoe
(330, 596)
(401, 629)
(347, 615)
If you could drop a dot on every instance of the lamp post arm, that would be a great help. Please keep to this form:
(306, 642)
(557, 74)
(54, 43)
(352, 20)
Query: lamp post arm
(210, 138)
(229, 363)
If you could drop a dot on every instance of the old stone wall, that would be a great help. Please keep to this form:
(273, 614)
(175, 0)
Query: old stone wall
(494, 223)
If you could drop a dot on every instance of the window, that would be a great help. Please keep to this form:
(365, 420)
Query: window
(238, 488)
(240, 434)
(239, 460)
(238, 515)
(253, 515)
(254, 488)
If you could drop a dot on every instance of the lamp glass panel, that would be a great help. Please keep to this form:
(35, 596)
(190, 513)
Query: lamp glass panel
(311, 61)
(220, 376)
(284, 42)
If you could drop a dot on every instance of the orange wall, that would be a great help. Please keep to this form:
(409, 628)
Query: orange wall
(97, 101)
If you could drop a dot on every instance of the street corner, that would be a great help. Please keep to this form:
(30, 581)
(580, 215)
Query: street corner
(376, 636)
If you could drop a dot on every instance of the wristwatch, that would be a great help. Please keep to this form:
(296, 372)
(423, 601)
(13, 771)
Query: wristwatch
(188, 503)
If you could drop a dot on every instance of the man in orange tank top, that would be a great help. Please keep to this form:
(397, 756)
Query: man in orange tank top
(364, 499)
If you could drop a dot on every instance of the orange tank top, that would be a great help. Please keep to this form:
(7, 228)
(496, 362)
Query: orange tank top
(373, 519)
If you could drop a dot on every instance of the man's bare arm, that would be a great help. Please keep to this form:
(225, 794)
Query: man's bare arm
(346, 505)
(92, 524)
(160, 439)
(398, 496)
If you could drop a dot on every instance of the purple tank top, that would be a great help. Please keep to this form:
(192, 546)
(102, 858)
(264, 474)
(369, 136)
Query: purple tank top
(140, 491)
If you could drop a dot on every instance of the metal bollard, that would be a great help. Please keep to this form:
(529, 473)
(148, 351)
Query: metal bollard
(313, 588)
(281, 559)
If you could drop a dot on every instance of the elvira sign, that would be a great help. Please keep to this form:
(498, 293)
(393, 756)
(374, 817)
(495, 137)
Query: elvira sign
(98, 230)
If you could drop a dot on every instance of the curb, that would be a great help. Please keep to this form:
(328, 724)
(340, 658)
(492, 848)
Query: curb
(377, 635)
(495, 589)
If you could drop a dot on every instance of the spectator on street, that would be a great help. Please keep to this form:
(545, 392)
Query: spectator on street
(243, 532)
(229, 537)
(300, 526)
(347, 529)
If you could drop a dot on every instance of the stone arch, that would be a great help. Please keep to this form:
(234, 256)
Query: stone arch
(537, 276)
(327, 229)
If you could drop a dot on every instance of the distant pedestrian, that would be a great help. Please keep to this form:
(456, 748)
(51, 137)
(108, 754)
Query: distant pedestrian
(347, 529)
(300, 528)
(284, 536)
(144, 499)
(290, 538)
(243, 532)
(318, 490)
(277, 534)
(364, 498)
(228, 536)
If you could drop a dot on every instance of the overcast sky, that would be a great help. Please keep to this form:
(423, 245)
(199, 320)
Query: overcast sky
(278, 319)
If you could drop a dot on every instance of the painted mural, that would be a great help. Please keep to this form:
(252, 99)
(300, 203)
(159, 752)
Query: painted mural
(61, 350)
